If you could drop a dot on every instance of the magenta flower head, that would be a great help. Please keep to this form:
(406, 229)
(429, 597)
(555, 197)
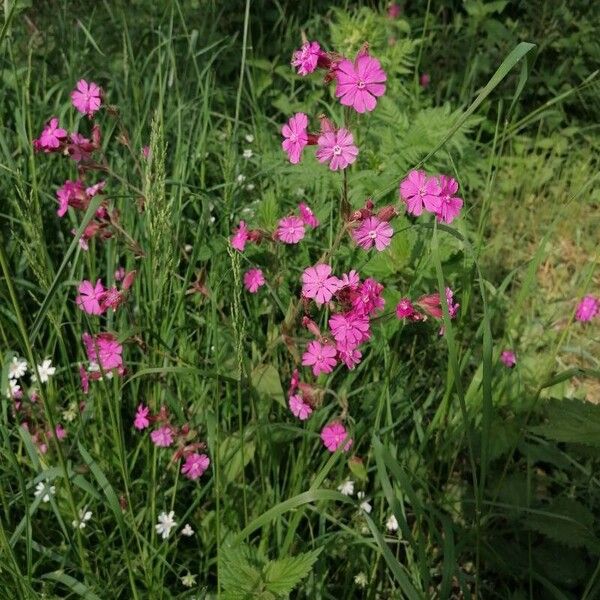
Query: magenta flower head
(394, 10)
(319, 284)
(360, 83)
(71, 193)
(307, 215)
(141, 420)
(373, 232)
(90, 297)
(508, 358)
(334, 435)
(86, 97)
(587, 309)
(305, 60)
(162, 437)
(104, 350)
(290, 230)
(449, 204)
(350, 329)
(336, 148)
(253, 280)
(195, 465)
(367, 297)
(240, 237)
(51, 137)
(424, 80)
(295, 137)
(405, 309)
(299, 408)
(419, 191)
(320, 356)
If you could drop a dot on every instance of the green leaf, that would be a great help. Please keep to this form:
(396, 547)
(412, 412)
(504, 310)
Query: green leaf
(283, 575)
(265, 379)
(75, 586)
(571, 421)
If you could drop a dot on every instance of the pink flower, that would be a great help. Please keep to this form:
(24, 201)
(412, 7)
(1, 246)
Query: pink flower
(90, 297)
(141, 420)
(195, 465)
(112, 299)
(394, 11)
(290, 230)
(240, 237)
(307, 215)
(145, 151)
(587, 309)
(305, 60)
(371, 232)
(432, 305)
(71, 193)
(85, 380)
(350, 280)
(359, 84)
(350, 330)
(86, 97)
(419, 191)
(450, 205)
(119, 274)
(317, 283)
(162, 437)
(295, 137)
(337, 148)
(95, 189)
(253, 279)
(405, 309)
(60, 432)
(424, 80)
(320, 356)
(80, 148)
(334, 435)
(294, 381)
(348, 355)
(367, 298)
(508, 358)
(299, 408)
(104, 350)
(51, 137)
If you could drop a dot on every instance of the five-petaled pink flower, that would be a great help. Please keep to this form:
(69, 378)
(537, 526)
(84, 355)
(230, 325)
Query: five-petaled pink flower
(508, 358)
(90, 297)
(320, 356)
(71, 193)
(141, 420)
(195, 465)
(318, 283)
(253, 280)
(104, 350)
(350, 329)
(51, 137)
(348, 355)
(360, 83)
(299, 408)
(419, 191)
(86, 97)
(373, 232)
(307, 215)
(295, 136)
(367, 298)
(305, 60)
(290, 230)
(405, 309)
(336, 148)
(162, 437)
(334, 435)
(587, 309)
(449, 204)
(240, 237)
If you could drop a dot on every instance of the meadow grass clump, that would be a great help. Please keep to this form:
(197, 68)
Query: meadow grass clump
(295, 304)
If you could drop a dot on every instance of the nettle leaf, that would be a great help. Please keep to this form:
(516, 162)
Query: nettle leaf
(283, 575)
(571, 421)
(239, 573)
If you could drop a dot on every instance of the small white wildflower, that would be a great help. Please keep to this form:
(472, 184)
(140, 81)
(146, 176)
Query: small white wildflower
(392, 524)
(361, 580)
(187, 530)
(300, 192)
(166, 522)
(70, 413)
(188, 248)
(13, 390)
(212, 219)
(188, 580)
(84, 517)
(44, 492)
(346, 488)
(249, 138)
(241, 178)
(364, 505)
(45, 370)
(17, 368)
(250, 187)
(248, 153)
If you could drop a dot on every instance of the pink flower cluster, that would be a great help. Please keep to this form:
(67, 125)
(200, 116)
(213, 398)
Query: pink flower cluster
(430, 305)
(587, 309)
(436, 195)
(95, 299)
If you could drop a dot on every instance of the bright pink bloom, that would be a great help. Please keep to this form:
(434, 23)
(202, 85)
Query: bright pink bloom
(51, 137)
(360, 83)
(97, 188)
(80, 148)
(104, 350)
(162, 437)
(405, 309)
(240, 237)
(305, 60)
(299, 408)
(253, 280)
(348, 355)
(419, 191)
(334, 435)
(86, 97)
(295, 136)
(508, 358)
(119, 274)
(141, 420)
(90, 297)
(350, 330)
(307, 215)
(350, 280)
(424, 80)
(71, 193)
(587, 309)
(336, 148)
(60, 432)
(195, 465)
(112, 298)
(320, 356)
(367, 299)
(371, 232)
(318, 283)
(432, 305)
(450, 205)
(290, 230)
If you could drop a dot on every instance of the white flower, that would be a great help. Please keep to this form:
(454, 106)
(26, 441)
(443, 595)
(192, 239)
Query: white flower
(44, 492)
(364, 505)
(70, 413)
(250, 187)
(249, 138)
(346, 488)
(187, 530)
(248, 153)
(300, 192)
(361, 580)
(95, 368)
(188, 580)
(241, 178)
(13, 390)
(84, 517)
(392, 524)
(45, 370)
(188, 248)
(17, 368)
(166, 522)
